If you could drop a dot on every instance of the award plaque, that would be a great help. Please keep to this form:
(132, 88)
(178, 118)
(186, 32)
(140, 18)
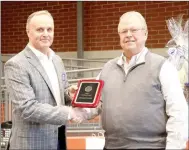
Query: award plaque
(88, 93)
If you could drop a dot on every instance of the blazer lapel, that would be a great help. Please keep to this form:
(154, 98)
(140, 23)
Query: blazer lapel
(58, 68)
(32, 58)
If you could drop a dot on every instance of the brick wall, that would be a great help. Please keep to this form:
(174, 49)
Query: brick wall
(100, 23)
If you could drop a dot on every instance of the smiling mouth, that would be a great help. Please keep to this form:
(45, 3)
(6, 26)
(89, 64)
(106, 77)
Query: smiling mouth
(45, 41)
(129, 41)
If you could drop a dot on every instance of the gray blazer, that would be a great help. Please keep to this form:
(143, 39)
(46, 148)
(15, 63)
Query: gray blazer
(35, 116)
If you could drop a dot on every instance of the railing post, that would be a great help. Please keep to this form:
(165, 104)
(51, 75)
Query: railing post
(6, 101)
(1, 69)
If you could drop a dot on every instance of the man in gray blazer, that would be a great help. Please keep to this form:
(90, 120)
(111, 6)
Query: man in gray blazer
(36, 82)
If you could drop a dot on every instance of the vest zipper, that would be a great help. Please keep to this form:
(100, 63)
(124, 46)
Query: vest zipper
(126, 75)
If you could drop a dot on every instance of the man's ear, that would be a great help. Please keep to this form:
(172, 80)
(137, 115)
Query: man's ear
(146, 34)
(27, 32)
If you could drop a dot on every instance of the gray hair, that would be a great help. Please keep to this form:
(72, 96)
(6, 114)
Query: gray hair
(130, 14)
(42, 12)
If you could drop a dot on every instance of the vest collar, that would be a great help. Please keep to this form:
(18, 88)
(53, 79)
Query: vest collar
(136, 59)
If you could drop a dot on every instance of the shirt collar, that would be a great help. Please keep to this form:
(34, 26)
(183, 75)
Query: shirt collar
(40, 55)
(136, 59)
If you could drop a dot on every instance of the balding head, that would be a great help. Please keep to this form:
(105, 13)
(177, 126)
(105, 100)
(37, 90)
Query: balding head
(42, 12)
(132, 16)
(40, 30)
(132, 30)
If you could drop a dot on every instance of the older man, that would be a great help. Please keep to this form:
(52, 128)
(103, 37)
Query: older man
(36, 82)
(143, 106)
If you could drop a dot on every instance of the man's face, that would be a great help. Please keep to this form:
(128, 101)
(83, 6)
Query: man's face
(41, 32)
(132, 35)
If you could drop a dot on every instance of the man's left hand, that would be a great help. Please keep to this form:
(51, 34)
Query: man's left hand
(71, 91)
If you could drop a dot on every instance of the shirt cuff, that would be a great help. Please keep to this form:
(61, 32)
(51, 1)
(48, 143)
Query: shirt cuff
(69, 114)
(87, 110)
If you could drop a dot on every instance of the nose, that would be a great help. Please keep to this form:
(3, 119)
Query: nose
(128, 33)
(45, 33)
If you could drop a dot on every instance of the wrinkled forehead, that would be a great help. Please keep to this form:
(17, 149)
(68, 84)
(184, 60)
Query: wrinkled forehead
(130, 21)
(42, 19)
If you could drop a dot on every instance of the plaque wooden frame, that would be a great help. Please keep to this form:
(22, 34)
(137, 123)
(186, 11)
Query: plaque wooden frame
(88, 93)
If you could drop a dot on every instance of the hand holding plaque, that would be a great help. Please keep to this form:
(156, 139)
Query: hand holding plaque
(88, 93)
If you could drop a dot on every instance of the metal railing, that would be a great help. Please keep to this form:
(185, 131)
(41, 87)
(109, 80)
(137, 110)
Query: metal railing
(75, 75)
(75, 63)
